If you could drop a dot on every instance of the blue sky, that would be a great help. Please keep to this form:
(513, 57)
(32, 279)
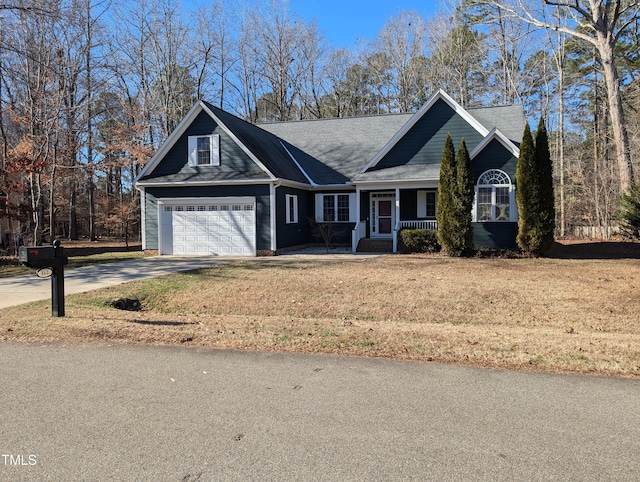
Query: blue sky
(344, 22)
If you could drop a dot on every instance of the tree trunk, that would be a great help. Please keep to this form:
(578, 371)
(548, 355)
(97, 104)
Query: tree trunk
(73, 216)
(623, 156)
(561, 143)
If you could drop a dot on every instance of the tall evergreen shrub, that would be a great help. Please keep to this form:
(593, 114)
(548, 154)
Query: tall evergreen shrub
(446, 196)
(527, 192)
(547, 212)
(534, 194)
(463, 201)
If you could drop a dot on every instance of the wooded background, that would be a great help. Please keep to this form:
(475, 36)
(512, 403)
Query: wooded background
(90, 88)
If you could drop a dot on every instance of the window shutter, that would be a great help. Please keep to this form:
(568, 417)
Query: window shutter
(474, 210)
(215, 150)
(353, 214)
(319, 207)
(422, 204)
(193, 151)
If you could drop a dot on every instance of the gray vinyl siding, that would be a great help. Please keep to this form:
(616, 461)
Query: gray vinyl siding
(296, 233)
(497, 235)
(424, 142)
(232, 157)
(495, 156)
(260, 192)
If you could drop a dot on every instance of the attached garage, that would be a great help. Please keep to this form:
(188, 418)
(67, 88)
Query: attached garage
(208, 227)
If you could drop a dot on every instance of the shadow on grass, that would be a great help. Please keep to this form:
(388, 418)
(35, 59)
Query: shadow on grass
(161, 323)
(596, 250)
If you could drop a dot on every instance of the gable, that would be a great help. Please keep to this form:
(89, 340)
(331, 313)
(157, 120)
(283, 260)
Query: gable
(423, 143)
(234, 162)
(494, 155)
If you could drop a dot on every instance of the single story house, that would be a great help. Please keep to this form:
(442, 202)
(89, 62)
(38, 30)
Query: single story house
(222, 186)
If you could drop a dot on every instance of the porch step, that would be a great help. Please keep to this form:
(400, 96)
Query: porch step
(369, 245)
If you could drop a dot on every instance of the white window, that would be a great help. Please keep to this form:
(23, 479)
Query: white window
(427, 202)
(339, 208)
(495, 200)
(292, 208)
(204, 150)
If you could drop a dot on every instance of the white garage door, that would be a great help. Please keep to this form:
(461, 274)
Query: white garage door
(220, 228)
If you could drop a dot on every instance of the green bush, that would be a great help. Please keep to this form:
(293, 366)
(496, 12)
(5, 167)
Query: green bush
(411, 240)
(629, 212)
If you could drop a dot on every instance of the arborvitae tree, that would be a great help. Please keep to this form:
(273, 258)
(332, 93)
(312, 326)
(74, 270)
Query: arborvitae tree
(446, 196)
(463, 234)
(527, 192)
(547, 211)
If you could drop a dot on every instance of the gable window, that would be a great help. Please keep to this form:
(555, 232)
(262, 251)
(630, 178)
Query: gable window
(292, 208)
(335, 208)
(204, 150)
(494, 197)
(427, 202)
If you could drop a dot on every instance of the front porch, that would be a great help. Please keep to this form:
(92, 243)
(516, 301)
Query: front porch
(386, 244)
(384, 212)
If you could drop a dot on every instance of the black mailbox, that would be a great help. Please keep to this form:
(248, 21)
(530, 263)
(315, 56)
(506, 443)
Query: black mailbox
(40, 257)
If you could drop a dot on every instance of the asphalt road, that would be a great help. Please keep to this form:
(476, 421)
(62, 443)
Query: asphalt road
(96, 412)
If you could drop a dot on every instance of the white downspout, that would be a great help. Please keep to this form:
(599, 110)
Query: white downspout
(272, 209)
(143, 220)
(397, 223)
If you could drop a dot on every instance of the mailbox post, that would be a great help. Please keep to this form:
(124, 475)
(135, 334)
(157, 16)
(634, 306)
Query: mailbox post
(53, 257)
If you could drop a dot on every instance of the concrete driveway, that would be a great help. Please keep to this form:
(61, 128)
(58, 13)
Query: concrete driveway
(24, 289)
(27, 288)
(97, 412)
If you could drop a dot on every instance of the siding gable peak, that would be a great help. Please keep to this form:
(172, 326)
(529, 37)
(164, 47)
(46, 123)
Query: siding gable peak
(495, 134)
(199, 107)
(439, 95)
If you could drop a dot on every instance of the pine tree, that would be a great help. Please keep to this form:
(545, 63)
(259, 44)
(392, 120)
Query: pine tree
(463, 234)
(446, 196)
(526, 192)
(547, 211)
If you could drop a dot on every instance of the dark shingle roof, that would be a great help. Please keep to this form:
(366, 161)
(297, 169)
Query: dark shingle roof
(508, 119)
(264, 145)
(335, 150)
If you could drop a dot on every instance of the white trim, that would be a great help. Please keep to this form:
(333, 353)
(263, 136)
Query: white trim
(495, 134)
(181, 129)
(319, 211)
(391, 185)
(513, 215)
(272, 215)
(214, 150)
(237, 141)
(173, 201)
(299, 166)
(439, 95)
(162, 202)
(170, 141)
(374, 209)
(288, 198)
(143, 216)
(201, 183)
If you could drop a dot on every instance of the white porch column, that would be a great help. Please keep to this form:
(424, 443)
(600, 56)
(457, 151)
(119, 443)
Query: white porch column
(395, 228)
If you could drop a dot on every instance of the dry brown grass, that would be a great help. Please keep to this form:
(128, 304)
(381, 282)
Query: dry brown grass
(555, 315)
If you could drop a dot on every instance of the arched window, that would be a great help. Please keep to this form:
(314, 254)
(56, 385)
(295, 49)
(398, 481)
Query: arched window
(494, 197)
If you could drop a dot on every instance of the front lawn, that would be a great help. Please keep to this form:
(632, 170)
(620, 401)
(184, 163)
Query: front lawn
(553, 315)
